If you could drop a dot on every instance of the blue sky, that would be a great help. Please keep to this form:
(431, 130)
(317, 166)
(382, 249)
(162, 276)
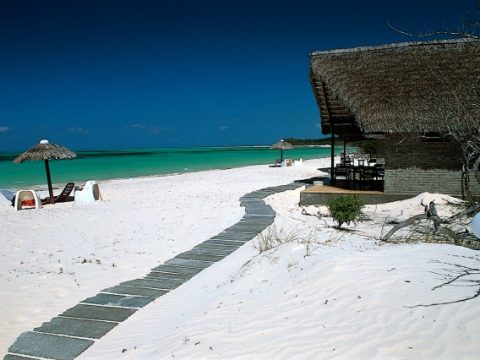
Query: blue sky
(109, 74)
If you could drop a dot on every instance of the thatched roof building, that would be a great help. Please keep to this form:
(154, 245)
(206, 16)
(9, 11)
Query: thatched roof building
(397, 88)
(399, 93)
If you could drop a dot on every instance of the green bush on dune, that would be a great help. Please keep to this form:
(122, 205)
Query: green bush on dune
(345, 209)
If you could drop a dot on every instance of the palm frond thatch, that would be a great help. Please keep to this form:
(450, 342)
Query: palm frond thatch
(282, 145)
(388, 89)
(46, 151)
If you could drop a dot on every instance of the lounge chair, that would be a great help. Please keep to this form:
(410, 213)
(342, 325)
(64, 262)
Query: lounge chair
(64, 196)
(9, 195)
(298, 162)
(88, 194)
(26, 198)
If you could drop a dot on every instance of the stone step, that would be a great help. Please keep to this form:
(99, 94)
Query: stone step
(230, 247)
(219, 241)
(118, 300)
(259, 215)
(196, 256)
(84, 328)
(252, 201)
(154, 284)
(133, 290)
(241, 238)
(198, 264)
(93, 312)
(233, 236)
(18, 357)
(259, 211)
(249, 223)
(247, 235)
(260, 219)
(250, 220)
(49, 346)
(248, 228)
(237, 239)
(258, 206)
(177, 269)
(167, 276)
(205, 250)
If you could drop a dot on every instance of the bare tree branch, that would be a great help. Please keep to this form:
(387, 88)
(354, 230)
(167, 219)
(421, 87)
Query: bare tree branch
(459, 33)
(477, 294)
(430, 213)
(461, 272)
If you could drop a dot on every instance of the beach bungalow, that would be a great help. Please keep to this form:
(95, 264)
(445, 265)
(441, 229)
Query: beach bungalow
(400, 95)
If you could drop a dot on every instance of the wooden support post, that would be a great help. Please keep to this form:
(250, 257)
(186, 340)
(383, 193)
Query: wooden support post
(332, 153)
(332, 138)
(49, 181)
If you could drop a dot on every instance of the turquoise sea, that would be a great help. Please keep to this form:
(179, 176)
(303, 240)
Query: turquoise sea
(101, 165)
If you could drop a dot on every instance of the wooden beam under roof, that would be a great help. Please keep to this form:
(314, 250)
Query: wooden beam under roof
(335, 116)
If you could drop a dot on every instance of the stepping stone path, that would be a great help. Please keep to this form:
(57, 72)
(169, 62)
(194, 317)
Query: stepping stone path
(72, 332)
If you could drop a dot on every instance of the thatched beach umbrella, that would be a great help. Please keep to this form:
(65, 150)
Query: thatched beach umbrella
(46, 151)
(282, 145)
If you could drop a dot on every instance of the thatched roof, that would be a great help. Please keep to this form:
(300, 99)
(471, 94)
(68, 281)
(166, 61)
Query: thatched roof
(46, 151)
(282, 145)
(394, 88)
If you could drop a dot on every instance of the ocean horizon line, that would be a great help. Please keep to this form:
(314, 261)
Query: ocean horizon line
(96, 149)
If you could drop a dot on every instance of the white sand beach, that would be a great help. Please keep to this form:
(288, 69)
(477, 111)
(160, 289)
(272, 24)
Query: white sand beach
(328, 294)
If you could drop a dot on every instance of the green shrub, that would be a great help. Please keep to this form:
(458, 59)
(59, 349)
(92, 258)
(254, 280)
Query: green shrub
(345, 209)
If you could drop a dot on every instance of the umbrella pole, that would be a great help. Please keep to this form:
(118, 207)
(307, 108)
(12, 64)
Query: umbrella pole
(49, 181)
(281, 155)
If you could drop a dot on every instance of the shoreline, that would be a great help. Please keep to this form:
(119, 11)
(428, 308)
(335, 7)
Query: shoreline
(59, 186)
(156, 162)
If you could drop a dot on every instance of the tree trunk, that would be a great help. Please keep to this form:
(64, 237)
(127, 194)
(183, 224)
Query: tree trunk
(403, 224)
(430, 213)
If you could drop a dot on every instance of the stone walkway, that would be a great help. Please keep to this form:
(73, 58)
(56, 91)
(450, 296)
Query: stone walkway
(72, 332)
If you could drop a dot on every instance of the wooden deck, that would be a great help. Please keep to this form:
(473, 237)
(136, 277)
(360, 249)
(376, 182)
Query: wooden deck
(328, 189)
(320, 194)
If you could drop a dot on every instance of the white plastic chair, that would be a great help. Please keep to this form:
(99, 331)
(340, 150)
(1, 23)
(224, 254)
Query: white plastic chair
(89, 194)
(298, 162)
(26, 195)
